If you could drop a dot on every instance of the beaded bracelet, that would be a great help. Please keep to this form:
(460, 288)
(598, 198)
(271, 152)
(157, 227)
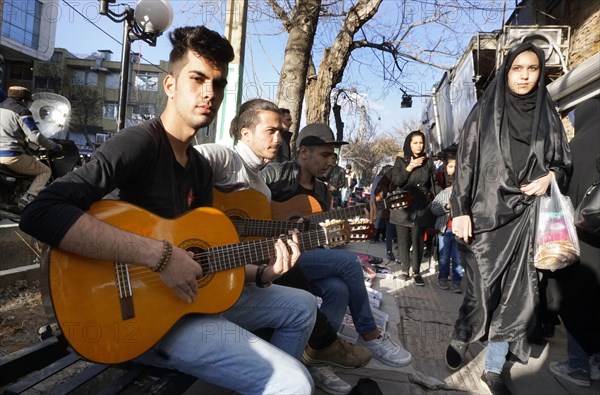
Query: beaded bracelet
(165, 257)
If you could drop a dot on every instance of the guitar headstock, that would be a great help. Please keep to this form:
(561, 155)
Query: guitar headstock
(398, 199)
(361, 229)
(337, 232)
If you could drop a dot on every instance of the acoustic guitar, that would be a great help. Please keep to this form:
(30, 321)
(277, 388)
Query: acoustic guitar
(250, 212)
(111, 312)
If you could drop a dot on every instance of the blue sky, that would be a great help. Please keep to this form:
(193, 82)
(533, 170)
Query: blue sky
(265, 47)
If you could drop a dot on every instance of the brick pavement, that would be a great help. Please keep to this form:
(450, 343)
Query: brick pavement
(422, 318)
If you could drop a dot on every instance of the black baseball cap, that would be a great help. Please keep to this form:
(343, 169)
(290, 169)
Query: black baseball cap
(317, 134)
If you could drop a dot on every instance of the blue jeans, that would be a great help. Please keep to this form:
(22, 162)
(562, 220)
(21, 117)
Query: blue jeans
(220, 349)
(495, 356)
(390, 235)
(578, 358)
(447, 250)
(337, 277)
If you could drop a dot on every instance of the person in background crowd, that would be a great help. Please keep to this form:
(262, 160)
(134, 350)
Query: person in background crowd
(336, 275)
(335, 180)
(413, 174)
(255, 131)
(383, 215)
(351, 180)
(154, 167)
(577, 285)
(17, 130)
(284, 151)
(515, 134)
(440, 207)
(384, 188)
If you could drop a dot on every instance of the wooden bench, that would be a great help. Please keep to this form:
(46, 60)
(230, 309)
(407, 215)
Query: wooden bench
(50, 367)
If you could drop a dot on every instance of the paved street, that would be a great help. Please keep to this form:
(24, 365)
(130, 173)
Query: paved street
(422, 318)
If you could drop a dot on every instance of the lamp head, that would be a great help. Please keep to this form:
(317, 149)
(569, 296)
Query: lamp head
(406, 101)
(154, 16)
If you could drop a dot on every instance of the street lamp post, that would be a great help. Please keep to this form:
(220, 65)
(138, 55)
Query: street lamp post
(148, 21)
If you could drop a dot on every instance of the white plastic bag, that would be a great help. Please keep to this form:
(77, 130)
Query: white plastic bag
(556, 242)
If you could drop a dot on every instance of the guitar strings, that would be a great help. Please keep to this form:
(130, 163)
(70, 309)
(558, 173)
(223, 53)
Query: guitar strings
(228, 256)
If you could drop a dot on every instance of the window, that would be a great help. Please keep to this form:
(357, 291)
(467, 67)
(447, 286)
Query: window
(21, 21)
(109, 110)
(112, 80)
(146, 80)
(47, 83)
(84, 78)
(142, 112)
(21, 71)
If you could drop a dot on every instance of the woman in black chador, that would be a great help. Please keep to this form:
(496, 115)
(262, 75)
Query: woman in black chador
(511, 146)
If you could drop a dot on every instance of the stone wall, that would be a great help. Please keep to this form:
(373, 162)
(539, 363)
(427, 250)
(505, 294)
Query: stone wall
(584, 18)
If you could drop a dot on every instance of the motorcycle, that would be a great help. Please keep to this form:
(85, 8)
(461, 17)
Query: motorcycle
(50, 112)
(14, 185)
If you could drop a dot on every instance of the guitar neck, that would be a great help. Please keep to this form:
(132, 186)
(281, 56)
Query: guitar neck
(344, 213)
(219, 258)
(266, 228)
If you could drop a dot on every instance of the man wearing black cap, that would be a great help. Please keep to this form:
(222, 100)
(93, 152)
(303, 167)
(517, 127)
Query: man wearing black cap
(336, 275)
(17, 129)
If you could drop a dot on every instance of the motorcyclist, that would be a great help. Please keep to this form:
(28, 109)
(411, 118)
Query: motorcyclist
(17, 130)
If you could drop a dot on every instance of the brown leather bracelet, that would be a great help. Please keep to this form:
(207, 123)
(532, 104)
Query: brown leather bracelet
(165, 257)
(258, 280)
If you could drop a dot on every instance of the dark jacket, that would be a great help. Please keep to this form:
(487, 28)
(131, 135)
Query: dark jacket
(418, 184)
(577, 286)
(336, 176)
(282, 179)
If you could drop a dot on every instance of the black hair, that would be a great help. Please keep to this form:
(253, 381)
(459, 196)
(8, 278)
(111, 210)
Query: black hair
(408, 154)
(247, 116)
(284, 111)
(203, 42)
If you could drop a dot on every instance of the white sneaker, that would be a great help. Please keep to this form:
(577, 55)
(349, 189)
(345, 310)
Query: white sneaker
(325, 378)
(386, 350)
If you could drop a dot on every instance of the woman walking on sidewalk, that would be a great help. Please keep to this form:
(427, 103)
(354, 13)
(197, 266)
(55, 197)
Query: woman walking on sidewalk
(511, 146)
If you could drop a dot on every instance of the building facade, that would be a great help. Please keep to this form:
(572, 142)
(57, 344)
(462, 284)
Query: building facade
(569, 34)
(91, 84)
(27, 32)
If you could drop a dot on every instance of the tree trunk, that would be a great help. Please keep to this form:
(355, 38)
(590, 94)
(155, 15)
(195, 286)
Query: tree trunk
(292, 82)
(335, 59)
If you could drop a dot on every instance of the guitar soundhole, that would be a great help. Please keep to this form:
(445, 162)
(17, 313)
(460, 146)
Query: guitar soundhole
(236, 214)
(198, 247)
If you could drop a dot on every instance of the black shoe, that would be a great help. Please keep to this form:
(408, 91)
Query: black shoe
(418, 280)
(455, 353)
(493, 381)
(390, 256)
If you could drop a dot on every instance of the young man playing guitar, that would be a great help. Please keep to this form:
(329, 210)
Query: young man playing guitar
(257, 132)
(154, 167)
(335, 275)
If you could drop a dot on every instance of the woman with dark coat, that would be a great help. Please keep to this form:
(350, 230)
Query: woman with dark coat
(577, 288)
(413, 174)
(511, 146)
